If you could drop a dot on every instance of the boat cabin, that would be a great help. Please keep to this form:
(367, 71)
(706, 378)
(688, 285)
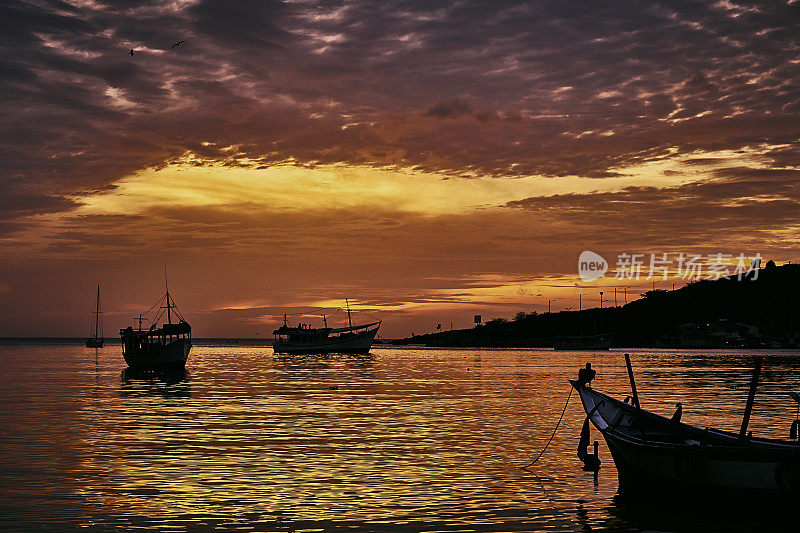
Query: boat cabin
(153, 340)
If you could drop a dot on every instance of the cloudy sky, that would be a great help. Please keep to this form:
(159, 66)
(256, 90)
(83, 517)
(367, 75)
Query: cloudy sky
(428, 160)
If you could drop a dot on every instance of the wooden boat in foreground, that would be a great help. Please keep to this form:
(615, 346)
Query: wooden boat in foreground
(658, 455)
(96, 340)
(164, 347)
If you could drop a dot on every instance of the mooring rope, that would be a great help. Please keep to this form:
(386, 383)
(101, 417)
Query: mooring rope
(554, 431)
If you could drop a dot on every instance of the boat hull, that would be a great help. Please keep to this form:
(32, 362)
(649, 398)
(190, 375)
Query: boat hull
(693, 471)
(94, 343)
(355, 343)
(173, 355)
(655, 455)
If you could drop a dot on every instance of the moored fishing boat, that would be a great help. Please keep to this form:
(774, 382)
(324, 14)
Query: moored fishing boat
(305, 339)
(96, 340)
(583, 342)
(659, 456)
(164, 347)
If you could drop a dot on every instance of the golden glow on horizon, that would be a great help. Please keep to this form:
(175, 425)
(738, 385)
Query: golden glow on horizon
(293, 188)
(513, 292)
(288, 187)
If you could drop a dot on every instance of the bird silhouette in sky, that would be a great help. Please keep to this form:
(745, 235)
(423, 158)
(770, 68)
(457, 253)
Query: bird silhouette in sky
(131, 52)
(177, 44)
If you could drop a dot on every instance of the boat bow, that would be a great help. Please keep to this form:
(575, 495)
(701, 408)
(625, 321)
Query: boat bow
(654, 453)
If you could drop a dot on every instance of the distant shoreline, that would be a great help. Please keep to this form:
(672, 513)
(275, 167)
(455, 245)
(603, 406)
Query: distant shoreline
(757, 311)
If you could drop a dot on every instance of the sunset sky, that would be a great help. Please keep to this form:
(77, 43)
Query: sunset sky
(428, 160)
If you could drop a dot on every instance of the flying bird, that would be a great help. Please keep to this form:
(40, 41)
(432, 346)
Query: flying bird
(131, 52)
(177, 44)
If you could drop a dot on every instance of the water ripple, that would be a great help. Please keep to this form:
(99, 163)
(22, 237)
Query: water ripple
(408, 440)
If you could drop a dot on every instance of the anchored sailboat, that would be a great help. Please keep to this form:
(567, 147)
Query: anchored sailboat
(96, 340)
(305, 339)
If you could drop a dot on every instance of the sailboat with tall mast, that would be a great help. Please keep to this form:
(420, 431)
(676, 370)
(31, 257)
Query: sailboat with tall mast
(305, 339)
(96, 340)
(164, 347)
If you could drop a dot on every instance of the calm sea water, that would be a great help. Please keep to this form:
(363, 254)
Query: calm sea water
(400, 440)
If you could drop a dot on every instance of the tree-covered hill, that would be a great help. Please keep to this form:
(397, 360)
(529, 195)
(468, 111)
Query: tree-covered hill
(766, 299)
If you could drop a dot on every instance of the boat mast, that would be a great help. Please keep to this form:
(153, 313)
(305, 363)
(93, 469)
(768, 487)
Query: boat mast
(349, 320)
(166, 288)
(751, 396)
(97, 314)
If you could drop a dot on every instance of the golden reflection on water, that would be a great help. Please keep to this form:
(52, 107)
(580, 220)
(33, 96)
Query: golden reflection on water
(406, 439)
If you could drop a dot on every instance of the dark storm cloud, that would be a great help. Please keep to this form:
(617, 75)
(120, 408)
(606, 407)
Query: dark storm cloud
(450, 109)
(744, 205)
(19, 203)
(248, 23)
(498, 88)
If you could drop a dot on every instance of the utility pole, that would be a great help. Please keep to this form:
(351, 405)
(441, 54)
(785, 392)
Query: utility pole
(548, 306)
(580, 302)
(626, 295)
(615, 297)
(601, 312)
